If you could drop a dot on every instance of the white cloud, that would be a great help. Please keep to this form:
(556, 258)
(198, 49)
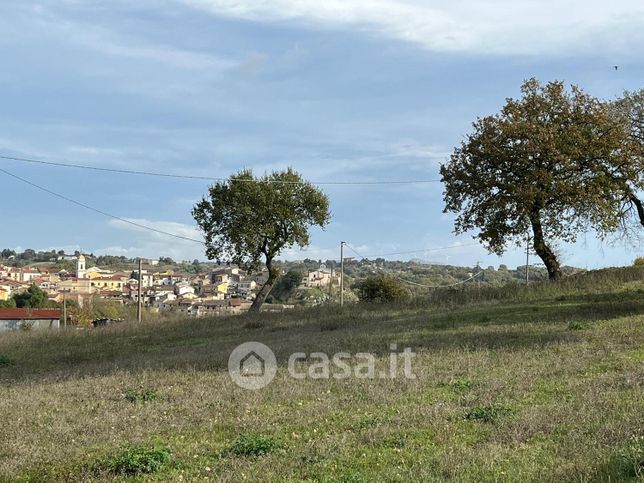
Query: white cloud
(111, 42)
(151, 244)
(494, 26)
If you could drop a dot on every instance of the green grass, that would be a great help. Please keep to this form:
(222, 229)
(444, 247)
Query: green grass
(136, 460)
(141, 395)
(5, 360)
(506, 390)
(252, 444)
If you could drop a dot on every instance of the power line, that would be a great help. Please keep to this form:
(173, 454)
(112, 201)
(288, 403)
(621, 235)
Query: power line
(208, 178)
(100, 212)
(163, 232)
(420, 284)
(435, 249)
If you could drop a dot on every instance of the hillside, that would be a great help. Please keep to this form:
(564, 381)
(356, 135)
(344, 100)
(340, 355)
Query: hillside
(520, 384)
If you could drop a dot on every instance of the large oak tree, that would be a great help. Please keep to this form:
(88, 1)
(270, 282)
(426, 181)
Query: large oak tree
(552, 164)
(630, 175)
(248, 220)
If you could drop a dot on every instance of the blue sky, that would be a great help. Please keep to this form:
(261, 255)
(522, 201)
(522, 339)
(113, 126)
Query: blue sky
(340, 90)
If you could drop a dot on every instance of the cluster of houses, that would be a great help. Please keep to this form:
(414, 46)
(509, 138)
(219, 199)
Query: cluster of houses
(225, 291)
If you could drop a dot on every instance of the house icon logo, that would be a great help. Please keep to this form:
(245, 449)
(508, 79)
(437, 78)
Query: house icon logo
(252, 365)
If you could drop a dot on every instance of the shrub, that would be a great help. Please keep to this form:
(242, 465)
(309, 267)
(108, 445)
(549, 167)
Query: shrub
(380, 288)
(253, 444)
(5, 360)
(328, 325)
(139, 459)
(633, 457)
(639, 262)
(489, 413)
(460, 385)
(577, 325)
(143, 395)
(254, 324)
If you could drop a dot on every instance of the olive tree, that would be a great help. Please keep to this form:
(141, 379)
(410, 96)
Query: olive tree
(630, 175)
(249, 220)
(542, 166)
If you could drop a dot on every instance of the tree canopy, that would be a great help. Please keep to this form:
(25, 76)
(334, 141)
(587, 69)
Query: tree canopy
(33, 298)
(630, 175)
(553, 163)
(380, 288)
(248, 220)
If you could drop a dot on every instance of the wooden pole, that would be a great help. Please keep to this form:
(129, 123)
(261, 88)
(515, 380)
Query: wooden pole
(341, 274)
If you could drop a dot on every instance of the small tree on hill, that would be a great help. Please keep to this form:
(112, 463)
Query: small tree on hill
(544, 164)
(247, 220)
(287, 284)
(380, 288)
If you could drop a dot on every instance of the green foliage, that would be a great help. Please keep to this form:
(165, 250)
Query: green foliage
(5, 360)
(137, 460)
(141, 395)
(246, 219)
(33, 298)
(545, 163)
(380, 288)
(6, 253)
(460, 385)
(633, 457)
(8, 304)
(489, 413)
(253, 444)
(630, 110)
(577, 325)
(286, 285)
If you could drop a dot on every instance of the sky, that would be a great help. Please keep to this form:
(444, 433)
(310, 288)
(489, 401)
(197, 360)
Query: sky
(341, 90)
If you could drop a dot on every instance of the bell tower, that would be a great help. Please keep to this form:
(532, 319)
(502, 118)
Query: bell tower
(80, 267)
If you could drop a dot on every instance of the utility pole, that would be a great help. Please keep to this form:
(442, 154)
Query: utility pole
(139, 306)
(341, 274)
(527, 261)
(478, 279)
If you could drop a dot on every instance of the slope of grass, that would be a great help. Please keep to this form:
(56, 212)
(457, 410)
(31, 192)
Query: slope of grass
(545, 387)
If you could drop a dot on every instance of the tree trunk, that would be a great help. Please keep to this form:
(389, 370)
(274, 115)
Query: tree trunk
(543, 250)
(273, 273)
(639, 206)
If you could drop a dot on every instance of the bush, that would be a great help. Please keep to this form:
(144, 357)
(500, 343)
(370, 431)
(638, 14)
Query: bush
(329, 325)
(140, 459)
(5, 360)
(639, 262)
(460, 385)
(577, 325)
(633, 457)
(143, 395)
(252, 444)
(380, 288)
(488, 414)
(254, 324)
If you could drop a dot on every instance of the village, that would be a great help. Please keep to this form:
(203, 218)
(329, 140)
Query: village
(222, 291)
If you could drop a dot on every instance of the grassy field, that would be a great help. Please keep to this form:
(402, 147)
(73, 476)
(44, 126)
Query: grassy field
(544, 384)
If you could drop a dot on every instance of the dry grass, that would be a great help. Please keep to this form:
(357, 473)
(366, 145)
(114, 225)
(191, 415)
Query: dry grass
(549, 402)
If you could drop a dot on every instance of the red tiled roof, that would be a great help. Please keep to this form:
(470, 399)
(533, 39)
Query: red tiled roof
(29, 314)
